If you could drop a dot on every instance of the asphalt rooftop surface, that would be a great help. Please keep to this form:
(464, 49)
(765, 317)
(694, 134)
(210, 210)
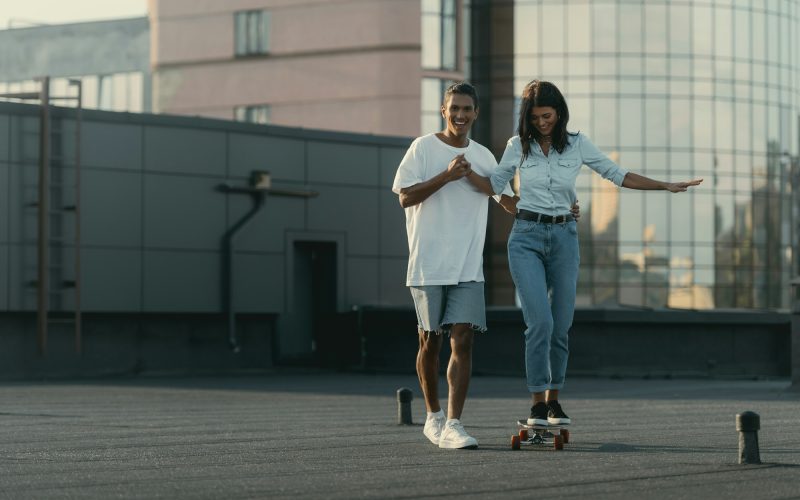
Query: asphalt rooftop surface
(330, 435)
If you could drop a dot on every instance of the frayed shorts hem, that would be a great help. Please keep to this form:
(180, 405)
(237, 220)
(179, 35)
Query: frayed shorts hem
(445, 329)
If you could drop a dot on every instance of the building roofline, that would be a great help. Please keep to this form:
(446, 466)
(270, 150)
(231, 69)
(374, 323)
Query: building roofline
(59, 26)
(202, 123)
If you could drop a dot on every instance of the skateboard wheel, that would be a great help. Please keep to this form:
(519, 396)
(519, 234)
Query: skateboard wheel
(565, 435)
(523, 434)
(515, 442)
(558, 442)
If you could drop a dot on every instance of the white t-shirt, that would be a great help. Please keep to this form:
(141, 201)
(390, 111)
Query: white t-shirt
(446, 232)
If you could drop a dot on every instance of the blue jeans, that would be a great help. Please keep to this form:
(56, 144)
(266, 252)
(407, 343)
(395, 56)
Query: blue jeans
(544, 261)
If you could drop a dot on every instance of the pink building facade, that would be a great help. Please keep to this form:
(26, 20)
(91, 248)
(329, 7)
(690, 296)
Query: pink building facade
(345, 65)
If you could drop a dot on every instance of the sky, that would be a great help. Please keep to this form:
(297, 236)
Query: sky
(22, 13)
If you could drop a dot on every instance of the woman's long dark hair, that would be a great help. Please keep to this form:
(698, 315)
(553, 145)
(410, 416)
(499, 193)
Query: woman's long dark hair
(539, 93)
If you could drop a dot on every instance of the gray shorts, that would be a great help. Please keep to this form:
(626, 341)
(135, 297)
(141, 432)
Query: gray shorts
(440, 306)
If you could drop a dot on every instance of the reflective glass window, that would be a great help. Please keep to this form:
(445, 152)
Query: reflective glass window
(579, 37)
(758, 25)
(526, 37)
(679, 29)
(251, 32)
(631, 204)
(604, 27)
(630, 29)
(681, 218)
(703, 28)
(553, 28)
(656, 120)
(744, 133)
(724, 207)
(655, 16)
(252, 114)
(680, 115)
(703, 217)
(741, 35)
(630, 110)
(439, 34)
(723, 113)
(580, 115)
(656, 226)
(703, 123)
(723, 31)
(605, 122)
(773, 40)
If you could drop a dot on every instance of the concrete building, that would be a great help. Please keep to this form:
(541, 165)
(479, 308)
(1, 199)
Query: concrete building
(352, 65)
(111, 58)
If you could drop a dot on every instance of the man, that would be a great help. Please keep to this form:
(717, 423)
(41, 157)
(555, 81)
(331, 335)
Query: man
(446, 225)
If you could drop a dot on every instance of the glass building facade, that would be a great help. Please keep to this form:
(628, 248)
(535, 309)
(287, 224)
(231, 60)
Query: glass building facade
(672, 90)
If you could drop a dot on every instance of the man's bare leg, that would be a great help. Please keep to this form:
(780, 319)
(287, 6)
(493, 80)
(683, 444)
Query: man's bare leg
(430, 344)
(459, 370)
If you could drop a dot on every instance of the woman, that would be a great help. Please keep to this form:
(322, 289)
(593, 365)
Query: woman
(543, 244)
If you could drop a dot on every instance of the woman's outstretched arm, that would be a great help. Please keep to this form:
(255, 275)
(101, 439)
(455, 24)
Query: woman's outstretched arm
(636, 181)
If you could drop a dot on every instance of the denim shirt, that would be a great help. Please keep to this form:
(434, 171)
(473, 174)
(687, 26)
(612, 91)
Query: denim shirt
(547, 183)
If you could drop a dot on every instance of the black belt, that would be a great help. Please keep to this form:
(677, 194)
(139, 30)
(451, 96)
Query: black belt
(546, 219)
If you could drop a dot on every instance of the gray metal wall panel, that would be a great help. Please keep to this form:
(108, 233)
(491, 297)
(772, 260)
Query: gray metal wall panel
(394, 241)
(348, 209)
(393, 282)
(390, 160)
(183, 212)
(362, 281)
(5, 140)
(342, 163)
(179, 281)
(22, 266)
(107, 145)
(189, 151)
(111, 208)
(5, 278)
(259, 283)
(283, 158)
(5, 197)
(112, 279)
(265, 232)
(23, 181)
(24, 136)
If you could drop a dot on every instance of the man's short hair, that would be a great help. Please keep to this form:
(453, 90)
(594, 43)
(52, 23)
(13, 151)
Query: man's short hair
(461, 88)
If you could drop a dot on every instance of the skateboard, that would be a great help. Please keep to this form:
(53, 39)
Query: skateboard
(553, 435)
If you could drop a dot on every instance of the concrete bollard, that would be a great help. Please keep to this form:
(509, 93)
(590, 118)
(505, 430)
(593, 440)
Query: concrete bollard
(404, 397)
(748, 424)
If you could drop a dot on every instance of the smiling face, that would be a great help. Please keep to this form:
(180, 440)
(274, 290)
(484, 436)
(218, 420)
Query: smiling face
(544, 119)
(459, 114)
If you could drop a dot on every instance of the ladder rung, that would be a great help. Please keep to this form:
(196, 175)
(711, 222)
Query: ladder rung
(61, 320)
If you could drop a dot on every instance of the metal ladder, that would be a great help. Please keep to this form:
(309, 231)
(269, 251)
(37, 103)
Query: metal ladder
(56, 205)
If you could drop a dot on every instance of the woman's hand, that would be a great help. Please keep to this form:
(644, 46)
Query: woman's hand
(679, 187)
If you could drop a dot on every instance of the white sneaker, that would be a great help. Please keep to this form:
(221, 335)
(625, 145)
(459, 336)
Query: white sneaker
(433, 427)
(455, 437)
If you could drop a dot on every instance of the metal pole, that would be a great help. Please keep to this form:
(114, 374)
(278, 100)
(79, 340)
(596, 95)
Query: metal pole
(43, 288)
(78, 117)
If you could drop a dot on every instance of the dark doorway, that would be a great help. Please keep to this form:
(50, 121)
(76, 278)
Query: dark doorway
(315, 301)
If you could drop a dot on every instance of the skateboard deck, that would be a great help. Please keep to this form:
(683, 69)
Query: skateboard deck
(555, 435)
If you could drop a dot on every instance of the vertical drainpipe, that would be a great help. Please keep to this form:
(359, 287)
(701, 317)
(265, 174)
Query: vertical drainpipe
(260, 187)
(258, 196)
